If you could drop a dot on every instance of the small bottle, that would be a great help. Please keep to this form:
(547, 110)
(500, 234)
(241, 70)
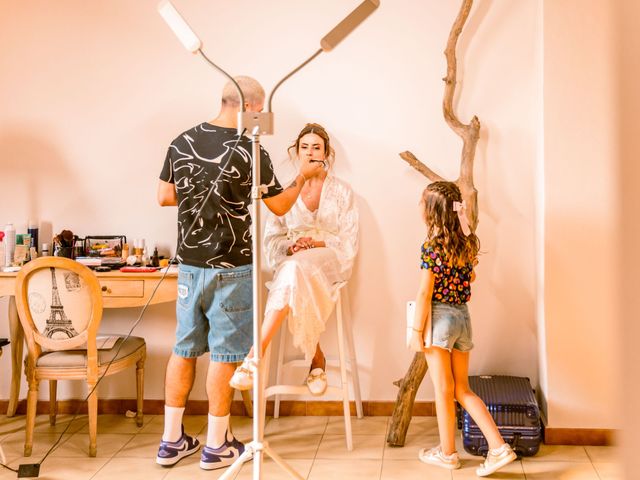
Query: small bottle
(33, 230)
(155, 260)
(45, 250)
(2, 258)
(9, 244)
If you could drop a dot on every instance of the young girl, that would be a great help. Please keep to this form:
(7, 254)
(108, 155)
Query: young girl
(442, 326)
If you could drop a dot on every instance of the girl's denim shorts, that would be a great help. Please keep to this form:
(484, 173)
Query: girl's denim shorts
(451, 326)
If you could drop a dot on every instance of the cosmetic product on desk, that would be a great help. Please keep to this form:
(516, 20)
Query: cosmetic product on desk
(2, 259)
(33, 231)
(139, 249)
(45, 250)
(9, 244)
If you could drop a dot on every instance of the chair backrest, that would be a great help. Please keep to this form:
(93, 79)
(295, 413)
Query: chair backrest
(59, 303)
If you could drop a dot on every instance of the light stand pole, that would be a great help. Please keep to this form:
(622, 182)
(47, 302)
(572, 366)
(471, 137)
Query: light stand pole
(259, 123)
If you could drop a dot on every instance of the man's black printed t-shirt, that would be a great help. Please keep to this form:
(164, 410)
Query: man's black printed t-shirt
(221, 238)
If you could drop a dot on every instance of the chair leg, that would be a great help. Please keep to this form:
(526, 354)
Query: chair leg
(140, 390)
(53, 401)
(343, 376)
(246, 400)
(353, 363)
(266, 363)
(92, 407)
(32, 404)
(279, 365)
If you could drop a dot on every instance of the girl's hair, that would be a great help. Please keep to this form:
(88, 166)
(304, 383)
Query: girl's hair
(444, 232)
(322, 133)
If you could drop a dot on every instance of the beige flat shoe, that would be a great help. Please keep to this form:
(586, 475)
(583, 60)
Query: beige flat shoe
(317, 381)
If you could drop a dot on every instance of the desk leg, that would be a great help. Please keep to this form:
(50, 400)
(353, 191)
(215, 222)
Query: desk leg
(17, 342)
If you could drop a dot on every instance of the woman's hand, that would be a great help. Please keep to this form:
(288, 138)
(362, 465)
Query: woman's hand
(416, 343)
(303, 243)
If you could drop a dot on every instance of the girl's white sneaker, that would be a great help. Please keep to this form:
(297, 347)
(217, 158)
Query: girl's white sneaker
(435, 456)
(496, 459)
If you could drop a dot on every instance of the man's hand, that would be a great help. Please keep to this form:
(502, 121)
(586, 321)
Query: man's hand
(309, 168)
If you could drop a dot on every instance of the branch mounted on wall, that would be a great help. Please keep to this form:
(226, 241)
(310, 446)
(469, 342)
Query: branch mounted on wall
(470, 133)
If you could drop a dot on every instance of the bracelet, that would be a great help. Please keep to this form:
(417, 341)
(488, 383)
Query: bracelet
(416, 330)
(302, 175)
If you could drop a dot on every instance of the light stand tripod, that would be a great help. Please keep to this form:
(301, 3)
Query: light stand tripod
(259, 123)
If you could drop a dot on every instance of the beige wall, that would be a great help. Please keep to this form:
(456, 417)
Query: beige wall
(629, 228)
(580, 185)
(90, 103)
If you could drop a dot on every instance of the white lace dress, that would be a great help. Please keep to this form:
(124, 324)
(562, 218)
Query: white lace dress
(308, 280)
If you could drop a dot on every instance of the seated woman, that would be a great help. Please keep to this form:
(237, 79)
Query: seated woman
(312, 249)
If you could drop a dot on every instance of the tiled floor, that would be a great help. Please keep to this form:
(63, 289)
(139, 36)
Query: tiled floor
(313, 446)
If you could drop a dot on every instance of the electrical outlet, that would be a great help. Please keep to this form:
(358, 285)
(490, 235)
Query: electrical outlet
(29, 470)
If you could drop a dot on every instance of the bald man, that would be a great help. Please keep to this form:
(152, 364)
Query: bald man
(214, 309)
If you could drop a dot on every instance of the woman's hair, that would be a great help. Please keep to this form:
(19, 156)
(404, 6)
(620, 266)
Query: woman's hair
(444, 232)
(322, 133)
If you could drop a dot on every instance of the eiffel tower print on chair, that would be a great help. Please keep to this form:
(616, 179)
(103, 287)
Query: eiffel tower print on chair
(57, 321)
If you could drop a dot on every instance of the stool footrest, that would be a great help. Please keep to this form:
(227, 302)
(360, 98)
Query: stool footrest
(297, 390)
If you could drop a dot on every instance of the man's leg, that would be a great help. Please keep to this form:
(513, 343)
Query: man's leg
(177, 386)
(191, 331)
(228, 296)
(176, 444)
(220, 396)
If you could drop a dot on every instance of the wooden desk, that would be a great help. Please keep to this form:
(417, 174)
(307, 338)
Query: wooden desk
(119, 290)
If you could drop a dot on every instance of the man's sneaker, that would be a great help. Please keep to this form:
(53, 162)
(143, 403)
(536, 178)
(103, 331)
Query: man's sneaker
(223, 456)
(435, 456)
(170, 453)
(242, 378)
(496, 459)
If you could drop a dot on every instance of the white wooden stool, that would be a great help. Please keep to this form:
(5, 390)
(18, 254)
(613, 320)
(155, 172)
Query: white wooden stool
(3, 342)
(343, 327)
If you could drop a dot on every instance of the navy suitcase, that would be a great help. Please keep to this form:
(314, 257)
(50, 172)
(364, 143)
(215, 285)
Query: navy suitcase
(513, 406)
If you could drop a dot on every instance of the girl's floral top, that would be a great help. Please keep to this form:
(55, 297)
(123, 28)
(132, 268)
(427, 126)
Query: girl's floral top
(452, 283)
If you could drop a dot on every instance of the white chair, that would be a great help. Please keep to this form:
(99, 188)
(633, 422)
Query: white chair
(343, 327)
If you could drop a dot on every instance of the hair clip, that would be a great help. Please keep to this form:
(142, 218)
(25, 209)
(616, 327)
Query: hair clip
(461, 209)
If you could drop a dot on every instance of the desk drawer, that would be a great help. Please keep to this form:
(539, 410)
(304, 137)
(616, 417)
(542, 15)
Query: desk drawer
(122, 288)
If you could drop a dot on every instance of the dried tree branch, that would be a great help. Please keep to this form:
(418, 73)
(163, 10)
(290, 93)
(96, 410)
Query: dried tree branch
(406, 398)
(469, 134)
(411, 159)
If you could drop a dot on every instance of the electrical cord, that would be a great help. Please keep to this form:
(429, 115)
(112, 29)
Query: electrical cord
(144, 308)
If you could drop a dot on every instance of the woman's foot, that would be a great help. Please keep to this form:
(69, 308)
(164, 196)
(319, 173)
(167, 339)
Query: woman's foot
(435, 456)
(317, 378)
(242, 378)
(496, 459)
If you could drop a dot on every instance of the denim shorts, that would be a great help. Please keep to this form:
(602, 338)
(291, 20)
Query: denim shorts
(451, 326)
(214, 312)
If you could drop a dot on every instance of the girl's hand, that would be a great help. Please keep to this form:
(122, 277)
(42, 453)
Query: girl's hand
(416, 343)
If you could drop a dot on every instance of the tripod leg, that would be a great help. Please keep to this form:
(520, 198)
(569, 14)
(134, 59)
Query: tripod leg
(280, 461)
(235, 467)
